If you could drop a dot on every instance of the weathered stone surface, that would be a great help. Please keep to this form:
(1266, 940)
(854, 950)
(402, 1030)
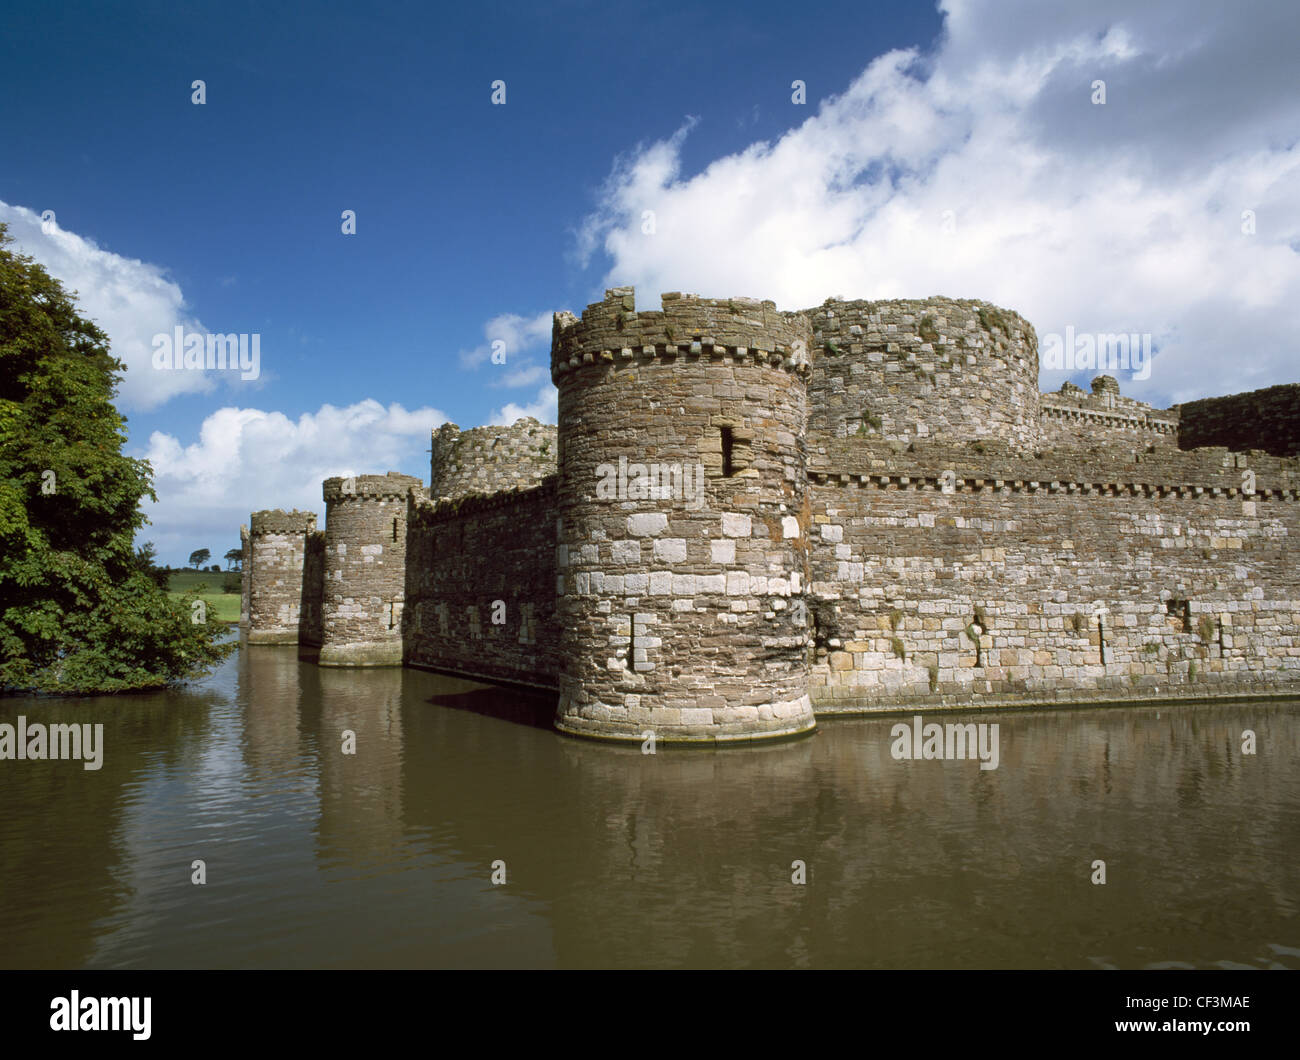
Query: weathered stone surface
(490, 459)
(278, 599)
(364, 569)
(481, 585)
(1263, 419)
(888, 514)
(932, 368)
(738, 416)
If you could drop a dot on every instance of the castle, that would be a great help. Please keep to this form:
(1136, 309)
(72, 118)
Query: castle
(747, 518)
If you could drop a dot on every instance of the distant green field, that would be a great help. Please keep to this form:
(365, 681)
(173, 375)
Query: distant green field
(222, 606)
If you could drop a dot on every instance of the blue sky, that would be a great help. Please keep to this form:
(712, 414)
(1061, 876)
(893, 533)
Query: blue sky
(475, 221)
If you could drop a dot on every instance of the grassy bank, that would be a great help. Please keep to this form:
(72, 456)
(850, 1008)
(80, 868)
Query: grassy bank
(221, 605)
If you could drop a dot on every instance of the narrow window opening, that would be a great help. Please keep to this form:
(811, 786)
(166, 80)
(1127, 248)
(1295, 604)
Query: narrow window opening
(727, 468)
(394, 529)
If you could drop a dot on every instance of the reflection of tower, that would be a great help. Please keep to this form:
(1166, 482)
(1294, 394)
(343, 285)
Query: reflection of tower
(360, 791)
(277, 552)
(271, 686)
(681, 606)
(365, 569)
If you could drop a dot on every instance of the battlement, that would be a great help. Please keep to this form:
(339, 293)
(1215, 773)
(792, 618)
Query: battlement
(392, 486)
(1160, 472)
(491, 459)
(694, 329)
(1072, 416)
(278, 521)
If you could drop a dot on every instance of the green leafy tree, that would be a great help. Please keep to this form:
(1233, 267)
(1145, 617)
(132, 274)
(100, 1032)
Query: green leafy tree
(233, 556)
(199, 556)
(145, 557)
(80, 608)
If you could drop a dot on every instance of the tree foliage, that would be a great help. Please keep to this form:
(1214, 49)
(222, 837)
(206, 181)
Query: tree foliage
(80, 611)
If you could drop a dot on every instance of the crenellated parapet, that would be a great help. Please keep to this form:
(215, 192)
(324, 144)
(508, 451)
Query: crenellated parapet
(688, 330)
(1075, 417)
(364, 569)
(277, 521)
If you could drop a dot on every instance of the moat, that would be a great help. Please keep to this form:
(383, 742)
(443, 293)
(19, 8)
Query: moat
(385, 858)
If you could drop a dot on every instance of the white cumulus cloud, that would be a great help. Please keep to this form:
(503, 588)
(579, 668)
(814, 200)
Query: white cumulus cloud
(130, 300)
(245, 460)
(544, 408)
(984, 169)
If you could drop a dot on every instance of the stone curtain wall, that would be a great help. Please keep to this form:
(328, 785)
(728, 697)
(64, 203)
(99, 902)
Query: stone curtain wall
(1073, 417)
(1268, 420)
(365, 569)
(311, 613)
(954, 578)
(491, 459)
(681, 613)
(277, 547)
(464, 557)
(935, 369)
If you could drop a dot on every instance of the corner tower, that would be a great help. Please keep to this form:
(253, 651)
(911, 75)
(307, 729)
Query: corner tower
(273, 570)
(683, 520)
(365, 569)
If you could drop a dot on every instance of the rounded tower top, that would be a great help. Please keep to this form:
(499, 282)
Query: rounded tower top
(938, 369)
(688, 328)
(491, 459)
(278, 521)
(392, 486)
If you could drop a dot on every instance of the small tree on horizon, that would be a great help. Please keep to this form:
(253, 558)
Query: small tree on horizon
(235, 555)
(199, 557)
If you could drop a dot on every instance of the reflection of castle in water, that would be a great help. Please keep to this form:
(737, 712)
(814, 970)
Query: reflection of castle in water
(66, 863)
(686, 858)
(892, 515)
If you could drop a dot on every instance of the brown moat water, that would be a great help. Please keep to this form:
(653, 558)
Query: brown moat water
(613, 858)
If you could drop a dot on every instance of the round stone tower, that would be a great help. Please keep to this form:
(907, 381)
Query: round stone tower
(277, 547)
(490, 459)
(935, 369)
(365, 569)
(683, 520)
